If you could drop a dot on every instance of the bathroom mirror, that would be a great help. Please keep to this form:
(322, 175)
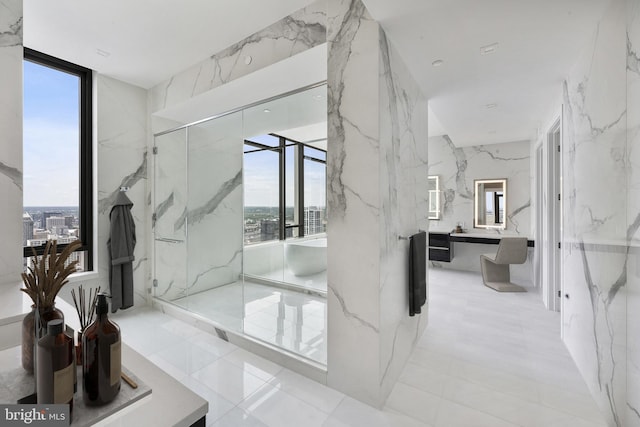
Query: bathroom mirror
(433, 186)
(490, 203)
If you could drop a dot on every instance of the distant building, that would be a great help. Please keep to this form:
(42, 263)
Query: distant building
(313, 221)
(47, 215)
(27, 228)
(69, 220)
(55, 221)
(269, 229)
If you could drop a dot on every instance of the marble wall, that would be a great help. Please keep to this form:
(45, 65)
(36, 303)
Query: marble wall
(122, 161)
(376, 165)
(633, 213)
(11, 141)
(199, 207)
(458, 167)
(291, 35)
(595, 227)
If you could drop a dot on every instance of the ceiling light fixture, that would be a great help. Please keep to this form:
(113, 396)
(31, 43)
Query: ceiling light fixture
(247, 60)
(488, 49)
(266, 110)
(437, 62)
(103, 53)
(489, 106)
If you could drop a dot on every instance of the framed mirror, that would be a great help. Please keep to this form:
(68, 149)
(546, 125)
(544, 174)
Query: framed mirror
(433, 185)
(490, 204)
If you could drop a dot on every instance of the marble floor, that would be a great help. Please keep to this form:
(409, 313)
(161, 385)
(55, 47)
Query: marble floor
(288, 319)
(486, 359)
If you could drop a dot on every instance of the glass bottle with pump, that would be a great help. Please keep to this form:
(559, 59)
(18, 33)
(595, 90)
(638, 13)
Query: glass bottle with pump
(101, 357)
(55, 366)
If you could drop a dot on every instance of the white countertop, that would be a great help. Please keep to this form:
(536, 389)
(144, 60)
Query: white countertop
(170, 403)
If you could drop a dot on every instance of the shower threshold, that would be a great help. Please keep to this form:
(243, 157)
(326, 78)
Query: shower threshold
(310, 368)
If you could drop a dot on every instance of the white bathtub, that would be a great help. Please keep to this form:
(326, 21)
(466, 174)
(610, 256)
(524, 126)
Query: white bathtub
(306, 257)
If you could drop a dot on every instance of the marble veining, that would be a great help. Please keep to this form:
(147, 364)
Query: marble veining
(196, 215)
(10, 32)
(458, 167)
(341, 51)
(13, 174)
(597, 224)
(11, 22)
(105, 204)
(300, 31)
(350, 314)
(163, 207)
(235, 257)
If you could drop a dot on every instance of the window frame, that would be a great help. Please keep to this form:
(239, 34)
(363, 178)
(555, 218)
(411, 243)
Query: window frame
(85, 145)
(282, 184)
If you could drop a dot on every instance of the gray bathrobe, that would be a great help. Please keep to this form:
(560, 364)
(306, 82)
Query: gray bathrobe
(121, 243)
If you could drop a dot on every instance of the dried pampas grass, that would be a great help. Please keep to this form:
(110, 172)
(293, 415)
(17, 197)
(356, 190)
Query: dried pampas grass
(49, 273)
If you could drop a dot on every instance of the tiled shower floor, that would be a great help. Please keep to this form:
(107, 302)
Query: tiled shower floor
(292, 320)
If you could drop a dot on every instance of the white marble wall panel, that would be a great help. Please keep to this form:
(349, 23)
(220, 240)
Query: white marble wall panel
(169, 206)
(122, 162)
(215, 204)
(376, 171)
(633, 213)
(353, 193)
(11, 141)
(404, 196)
(458, 167)
(293, 34)
(594, 240)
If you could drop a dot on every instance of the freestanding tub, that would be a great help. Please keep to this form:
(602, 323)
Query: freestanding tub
(306, 257)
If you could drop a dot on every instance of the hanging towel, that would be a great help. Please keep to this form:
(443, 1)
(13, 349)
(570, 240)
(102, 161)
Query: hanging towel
(121, 243)
(417, 272)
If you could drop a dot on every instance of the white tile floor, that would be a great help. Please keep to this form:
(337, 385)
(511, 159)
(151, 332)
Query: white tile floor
(486, 359)
(292, 320)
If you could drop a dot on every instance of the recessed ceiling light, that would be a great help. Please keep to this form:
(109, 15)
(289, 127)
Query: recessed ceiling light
(488, 49)
(437, 62)
(488, 106)
(103, 53)
(266, 110)
(248, 59)
(318, 96)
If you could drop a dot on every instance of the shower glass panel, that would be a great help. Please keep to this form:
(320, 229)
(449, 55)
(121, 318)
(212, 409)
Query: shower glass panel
(169, 225)
(214, 220)
(285, 274)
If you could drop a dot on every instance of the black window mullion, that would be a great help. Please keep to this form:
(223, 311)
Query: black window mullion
(300, 154)
(283, 194)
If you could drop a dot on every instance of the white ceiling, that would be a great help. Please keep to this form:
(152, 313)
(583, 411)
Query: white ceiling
(539, 41)
(147, 42)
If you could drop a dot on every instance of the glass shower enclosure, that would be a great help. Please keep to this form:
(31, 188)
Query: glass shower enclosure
(228, 208)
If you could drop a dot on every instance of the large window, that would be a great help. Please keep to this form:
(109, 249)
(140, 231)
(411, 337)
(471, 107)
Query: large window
(57, 201)
(285, 189)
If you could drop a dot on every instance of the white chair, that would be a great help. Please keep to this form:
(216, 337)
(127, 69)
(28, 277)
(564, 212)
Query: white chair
(495, 267)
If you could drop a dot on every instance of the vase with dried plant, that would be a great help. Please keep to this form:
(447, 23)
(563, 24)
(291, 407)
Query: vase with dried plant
(43, 280)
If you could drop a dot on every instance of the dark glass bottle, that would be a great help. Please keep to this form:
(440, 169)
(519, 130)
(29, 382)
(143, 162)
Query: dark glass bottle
(55, 365)
(101, 357)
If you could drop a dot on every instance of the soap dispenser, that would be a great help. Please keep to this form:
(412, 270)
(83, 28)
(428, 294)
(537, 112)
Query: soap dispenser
(55, 366)
(101, 357)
